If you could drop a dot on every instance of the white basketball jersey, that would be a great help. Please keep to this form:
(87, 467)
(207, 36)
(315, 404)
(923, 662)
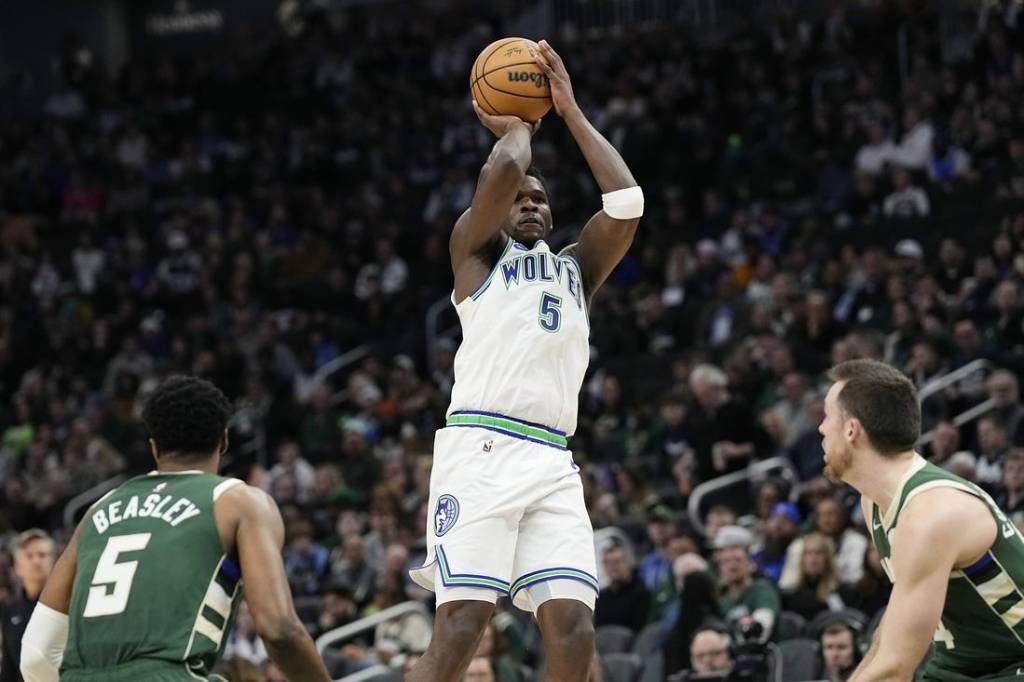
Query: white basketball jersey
(525, 340)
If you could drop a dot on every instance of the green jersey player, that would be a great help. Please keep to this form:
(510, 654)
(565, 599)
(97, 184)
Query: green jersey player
(148, 585)
(956, 562)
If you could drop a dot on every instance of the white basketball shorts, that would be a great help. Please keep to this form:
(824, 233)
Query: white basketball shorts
(506, 515)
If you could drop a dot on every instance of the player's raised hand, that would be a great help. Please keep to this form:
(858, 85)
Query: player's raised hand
(501, 124)
(561, 87)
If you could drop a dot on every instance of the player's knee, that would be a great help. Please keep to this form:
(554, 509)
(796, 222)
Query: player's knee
(463, 622)
(574, 632)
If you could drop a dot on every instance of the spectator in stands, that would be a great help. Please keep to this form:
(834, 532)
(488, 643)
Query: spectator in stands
(481, 669)
(818, 580)
(831, 520)
(806, 452)
(349, 566)
(339, 607)
(992, 448)
(743, 594)
(871, 593)
(839, 651)
(492, 647)
(719, 516)
(243, 641)
(1003, 389)
(33, 561)
(725, 433)
(305, 561)
(291, 463)
(696, 606)
(1010, 494)
(656, 565)
(624, 601)
(964, 464)
(945, 442)
(906, 200)
(709, 652)
(780, 530)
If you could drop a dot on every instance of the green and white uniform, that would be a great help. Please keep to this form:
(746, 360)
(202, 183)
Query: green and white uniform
(154, 594)
(981, 634)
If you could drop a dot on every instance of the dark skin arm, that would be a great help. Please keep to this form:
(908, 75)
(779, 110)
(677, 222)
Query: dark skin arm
(604, 240)
(257, 542)
(476, 238)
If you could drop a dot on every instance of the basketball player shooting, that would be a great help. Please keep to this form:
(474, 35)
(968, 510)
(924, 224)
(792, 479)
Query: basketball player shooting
(508, 516)
(956, 562)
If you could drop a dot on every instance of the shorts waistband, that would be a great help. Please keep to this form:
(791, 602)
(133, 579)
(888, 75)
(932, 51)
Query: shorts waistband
(510, 426)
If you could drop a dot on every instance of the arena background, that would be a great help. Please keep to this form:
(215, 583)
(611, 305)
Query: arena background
(260, 192)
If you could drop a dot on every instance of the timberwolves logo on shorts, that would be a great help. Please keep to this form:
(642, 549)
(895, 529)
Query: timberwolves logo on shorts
(445, 514)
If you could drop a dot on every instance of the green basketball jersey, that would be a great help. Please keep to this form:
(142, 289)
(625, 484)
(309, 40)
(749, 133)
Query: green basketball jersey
(981, 633)
(152, 584)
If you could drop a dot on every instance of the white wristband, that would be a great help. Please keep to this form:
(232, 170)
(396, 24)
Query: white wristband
(624, 204)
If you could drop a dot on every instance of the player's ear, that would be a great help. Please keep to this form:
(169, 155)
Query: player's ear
(852, 429)
(223, 446)
(153, 450)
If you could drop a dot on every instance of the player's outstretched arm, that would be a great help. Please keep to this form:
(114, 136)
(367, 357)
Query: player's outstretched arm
(938, 530)
(606, 236)
(46, 635)
(496, 187)
(259, 540)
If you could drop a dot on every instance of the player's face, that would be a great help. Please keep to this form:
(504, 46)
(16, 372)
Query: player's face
(530, 217)
(838, 457)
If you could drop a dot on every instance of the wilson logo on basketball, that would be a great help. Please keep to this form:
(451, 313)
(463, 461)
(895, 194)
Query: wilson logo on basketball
(538, 79)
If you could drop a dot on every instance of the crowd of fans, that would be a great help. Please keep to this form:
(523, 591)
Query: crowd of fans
(815, 193)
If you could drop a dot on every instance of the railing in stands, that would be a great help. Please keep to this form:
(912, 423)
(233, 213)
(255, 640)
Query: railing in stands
(959, 420)
(370, 622)
(941, 383)
(89, 496)
(339, 363)
(718, 483)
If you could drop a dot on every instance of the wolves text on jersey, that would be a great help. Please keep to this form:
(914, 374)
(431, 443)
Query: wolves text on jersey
(542, 267)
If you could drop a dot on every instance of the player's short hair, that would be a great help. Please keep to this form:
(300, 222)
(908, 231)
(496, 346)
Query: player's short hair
(883, 400)
(534, 172)
(186, 416)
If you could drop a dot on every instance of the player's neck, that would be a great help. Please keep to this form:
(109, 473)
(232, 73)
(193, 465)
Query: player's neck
(171, 465)
(878, 478)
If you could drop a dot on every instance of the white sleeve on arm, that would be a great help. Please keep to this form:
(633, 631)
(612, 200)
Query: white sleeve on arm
(42, 647)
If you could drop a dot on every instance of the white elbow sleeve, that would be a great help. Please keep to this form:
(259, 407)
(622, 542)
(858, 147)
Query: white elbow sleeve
(624, 204)
(42, 647)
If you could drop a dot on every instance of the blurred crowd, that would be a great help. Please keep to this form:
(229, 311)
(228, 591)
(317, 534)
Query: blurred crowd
(275, 219)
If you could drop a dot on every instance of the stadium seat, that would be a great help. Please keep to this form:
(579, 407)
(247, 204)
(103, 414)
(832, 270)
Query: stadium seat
(826, 618)
(791, 625)
(800, 660)
(621, 667)
(654, 667)
(613, 639)
(648, 641)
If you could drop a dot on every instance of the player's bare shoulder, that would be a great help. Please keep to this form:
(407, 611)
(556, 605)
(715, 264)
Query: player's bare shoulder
(947, 515)
(239, 501)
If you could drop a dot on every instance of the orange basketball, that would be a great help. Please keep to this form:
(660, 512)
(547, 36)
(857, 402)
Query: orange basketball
(505, 80)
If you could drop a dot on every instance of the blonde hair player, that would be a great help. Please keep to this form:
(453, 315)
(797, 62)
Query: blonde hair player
(956, 562)
(506, 501)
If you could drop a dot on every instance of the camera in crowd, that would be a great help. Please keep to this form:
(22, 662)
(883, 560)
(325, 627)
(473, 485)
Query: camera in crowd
(730, 655)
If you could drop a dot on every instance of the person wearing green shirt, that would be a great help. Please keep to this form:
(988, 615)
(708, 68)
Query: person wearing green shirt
(743, 594)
